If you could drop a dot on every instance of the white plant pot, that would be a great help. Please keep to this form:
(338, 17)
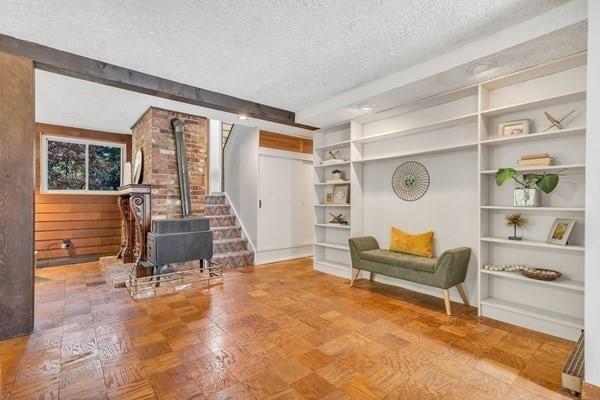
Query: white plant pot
(526, 197)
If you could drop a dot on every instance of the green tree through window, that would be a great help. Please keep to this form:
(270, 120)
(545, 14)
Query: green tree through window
(104, 168)
(66, 166)
(79, 166)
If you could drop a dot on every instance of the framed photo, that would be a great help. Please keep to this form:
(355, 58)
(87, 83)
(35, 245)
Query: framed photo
(560, 231)
(328, 198)
(341, 194)
(514, 128)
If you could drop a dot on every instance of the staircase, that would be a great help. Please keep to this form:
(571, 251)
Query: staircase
(229, 247)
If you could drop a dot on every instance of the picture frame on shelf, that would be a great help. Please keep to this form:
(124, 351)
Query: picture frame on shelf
(513, 128)
(329, 198)
(560, 231)
(341, 194)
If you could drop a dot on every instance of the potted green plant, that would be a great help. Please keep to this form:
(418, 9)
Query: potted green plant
(529, 184)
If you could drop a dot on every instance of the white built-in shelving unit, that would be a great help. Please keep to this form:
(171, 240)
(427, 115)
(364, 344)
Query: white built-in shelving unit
(554, 307)
(331, 240)
(463, 124)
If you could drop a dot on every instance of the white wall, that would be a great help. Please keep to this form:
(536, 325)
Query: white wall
(592, 255)
(241, 175)
(449, 208)
(214, 154)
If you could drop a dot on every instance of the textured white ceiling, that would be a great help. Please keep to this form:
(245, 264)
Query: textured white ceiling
(288, 54)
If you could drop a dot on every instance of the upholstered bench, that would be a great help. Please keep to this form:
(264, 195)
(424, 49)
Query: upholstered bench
(443, 272)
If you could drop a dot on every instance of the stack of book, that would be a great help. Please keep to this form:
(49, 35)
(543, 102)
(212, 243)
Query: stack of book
(535, 160)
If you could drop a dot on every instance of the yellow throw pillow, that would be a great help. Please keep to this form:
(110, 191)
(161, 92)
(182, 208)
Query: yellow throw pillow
(420, 244)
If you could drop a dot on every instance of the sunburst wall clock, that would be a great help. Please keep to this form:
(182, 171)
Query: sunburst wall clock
(410, 181)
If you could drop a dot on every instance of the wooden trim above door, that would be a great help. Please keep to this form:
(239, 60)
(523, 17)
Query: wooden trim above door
(278, 141)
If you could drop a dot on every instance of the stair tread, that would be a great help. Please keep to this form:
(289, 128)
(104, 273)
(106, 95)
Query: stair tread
(230, 240)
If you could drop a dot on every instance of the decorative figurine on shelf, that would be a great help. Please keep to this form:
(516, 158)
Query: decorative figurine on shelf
(337, 175)
(332, 157)
(333, 154)
(556, 122)
(516, 221)
(338, 219)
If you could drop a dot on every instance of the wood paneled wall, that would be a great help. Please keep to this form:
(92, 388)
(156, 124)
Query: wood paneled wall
(16, 195)
(92, 222)
(278, 141)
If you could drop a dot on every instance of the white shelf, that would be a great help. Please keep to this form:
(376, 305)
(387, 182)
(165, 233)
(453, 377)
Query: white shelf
(334, 226)
(533, 243)
(545, 168)
(421, 152)
(534, 136)
(333, 205)
(332, 246)
(333, 165)
(540, 313)
(333, 145)
(577, 286)
(546, 101)
(446, 123)
(553, 209)
(537, 71)
(332, 183)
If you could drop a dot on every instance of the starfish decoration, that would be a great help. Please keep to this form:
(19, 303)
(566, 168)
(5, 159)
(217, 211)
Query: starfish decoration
(556, 122)
(333, 154)
(338, 219)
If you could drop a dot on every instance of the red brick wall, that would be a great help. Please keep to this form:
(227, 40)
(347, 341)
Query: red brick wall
(154, 135)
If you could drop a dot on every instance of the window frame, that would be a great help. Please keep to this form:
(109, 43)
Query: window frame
(87, 142)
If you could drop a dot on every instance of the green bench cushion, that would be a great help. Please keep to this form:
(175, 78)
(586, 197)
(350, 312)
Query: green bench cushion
(402, 260)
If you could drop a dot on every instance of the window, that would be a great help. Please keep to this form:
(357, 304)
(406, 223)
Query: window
(80, 166)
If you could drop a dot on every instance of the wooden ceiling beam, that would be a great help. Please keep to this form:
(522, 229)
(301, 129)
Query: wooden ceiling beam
(73, 65)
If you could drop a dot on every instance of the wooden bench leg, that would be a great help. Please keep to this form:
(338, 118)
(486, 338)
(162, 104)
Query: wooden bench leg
(447, 301)
(463, 295)
(371, 274)
(354, 276)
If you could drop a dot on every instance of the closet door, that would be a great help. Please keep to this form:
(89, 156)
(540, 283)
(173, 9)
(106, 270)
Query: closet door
(285, 214)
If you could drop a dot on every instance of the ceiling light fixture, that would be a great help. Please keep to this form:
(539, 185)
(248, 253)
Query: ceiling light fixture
(481, 67)
(242, 117)
(366, 107)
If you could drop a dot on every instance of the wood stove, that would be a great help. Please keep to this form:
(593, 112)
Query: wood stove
(175, 242)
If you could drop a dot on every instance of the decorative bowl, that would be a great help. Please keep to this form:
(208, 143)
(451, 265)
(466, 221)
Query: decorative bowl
(542, 274)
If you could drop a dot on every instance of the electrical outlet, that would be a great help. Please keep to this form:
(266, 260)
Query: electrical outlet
(66, 243)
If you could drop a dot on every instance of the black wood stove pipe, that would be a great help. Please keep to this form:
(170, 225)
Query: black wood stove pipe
(184, 187)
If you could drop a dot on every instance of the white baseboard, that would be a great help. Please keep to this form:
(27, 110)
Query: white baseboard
(343, 271)
(277, 255)
(332, 269)
(416, 287)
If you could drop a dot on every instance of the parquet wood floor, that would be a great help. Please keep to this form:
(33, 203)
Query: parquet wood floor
(279, 331)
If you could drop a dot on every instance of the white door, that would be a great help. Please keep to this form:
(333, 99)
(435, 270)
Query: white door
(285, 203)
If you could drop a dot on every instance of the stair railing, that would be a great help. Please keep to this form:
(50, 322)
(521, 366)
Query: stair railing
(224, 140)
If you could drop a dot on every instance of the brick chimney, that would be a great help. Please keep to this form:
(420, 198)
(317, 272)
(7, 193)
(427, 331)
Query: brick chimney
(153, 134)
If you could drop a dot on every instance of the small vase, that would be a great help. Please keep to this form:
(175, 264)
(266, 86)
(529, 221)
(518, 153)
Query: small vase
(526, 197)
